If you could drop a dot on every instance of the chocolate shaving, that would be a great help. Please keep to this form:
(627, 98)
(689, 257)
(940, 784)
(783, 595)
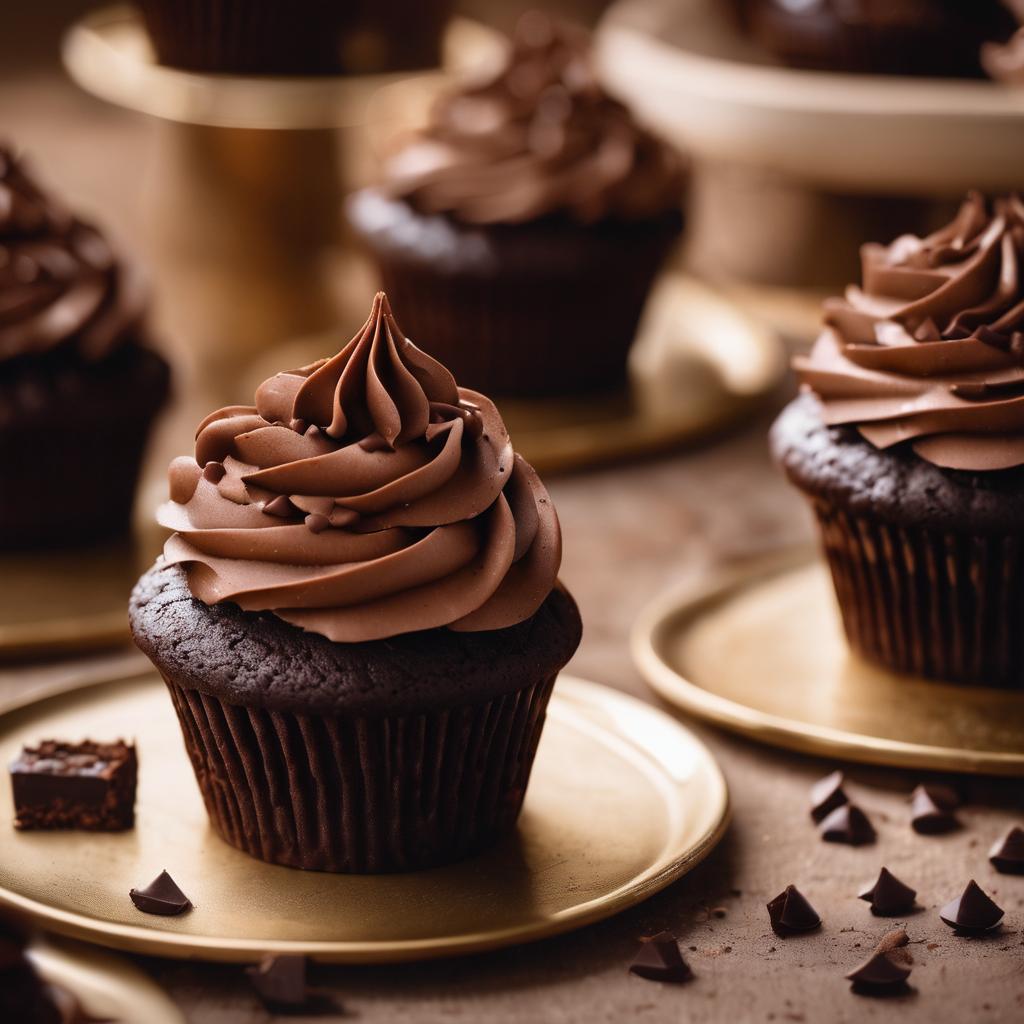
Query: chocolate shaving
(827, 795)
(847, 824)
(790, 913)
(1007, 855)
(162, 896)
(930, 811)
(972, 912)
(659, 959)
(888, 896)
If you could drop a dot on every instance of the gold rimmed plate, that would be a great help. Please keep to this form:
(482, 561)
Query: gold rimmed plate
(761, 652)
(699, 365)
(623, 800)
(108, 987)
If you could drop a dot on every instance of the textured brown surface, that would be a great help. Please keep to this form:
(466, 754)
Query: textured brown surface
(629, 533)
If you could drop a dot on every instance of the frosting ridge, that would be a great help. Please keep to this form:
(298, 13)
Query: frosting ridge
(362, 497)
(60, 283)
(539, 137)
(930, 349)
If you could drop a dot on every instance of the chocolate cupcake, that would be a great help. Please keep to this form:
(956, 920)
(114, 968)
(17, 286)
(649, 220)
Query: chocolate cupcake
(940, 38)
(909, 442)
(296, 37)
(521, 230)
(358, 618)
(79, 385)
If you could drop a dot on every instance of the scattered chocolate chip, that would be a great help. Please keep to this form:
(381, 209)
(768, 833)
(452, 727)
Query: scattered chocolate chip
(279, 506)
(930, 814)
(888, 896)
(298, 425)
(162, 896)
(790, 913)
(312, 431)
(885, 972)
(847, 824)
(1007, 855)
(317, 523)
(827, 794)
(945, 797)
(280, 982)
(214, 472)
(972, 911)
(659, 959)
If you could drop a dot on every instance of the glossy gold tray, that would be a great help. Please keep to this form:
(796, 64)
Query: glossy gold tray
(699, 365)
(762, 653)
(109, 987)
(623, 800)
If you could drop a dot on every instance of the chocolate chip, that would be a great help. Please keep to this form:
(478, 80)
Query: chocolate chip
(930, 811)
(888, 896)
(317, 523)
(659, 959)
(847, 824)
(280, 981)
(827, 794)
(299, 426)
(162, 896)
(279, 506)
(972, 912)
(790, 912)
(214, 472)
(1007, 855)
(886, 971)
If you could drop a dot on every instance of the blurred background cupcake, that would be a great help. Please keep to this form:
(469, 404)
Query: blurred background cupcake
(80, 384)
(522, 228)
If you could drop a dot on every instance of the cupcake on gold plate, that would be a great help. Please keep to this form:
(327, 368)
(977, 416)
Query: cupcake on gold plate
(358, 617)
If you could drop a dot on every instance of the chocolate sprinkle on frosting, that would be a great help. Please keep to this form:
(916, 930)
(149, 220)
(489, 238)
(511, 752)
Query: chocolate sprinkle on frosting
(1007, 855)
(930, 812)
(886, 971)
(888, 896)
(659, 959)
(162, 896)
(791, 913)
(827, 795)
(973, 911)
(847, 824)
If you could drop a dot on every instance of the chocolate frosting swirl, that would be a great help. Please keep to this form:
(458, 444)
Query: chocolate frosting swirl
(60, 283)
(363, 497)
(930, 351)
(538, 138)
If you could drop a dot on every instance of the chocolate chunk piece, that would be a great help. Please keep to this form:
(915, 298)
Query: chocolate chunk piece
(847, 824)
(1007, 855)
(972, 912)
(826, 795)
(886, 971)
(659, 959)
(791, 913)
(86, 785)
(162, 896)
(888, 895)
(930, 812)
(280, 980)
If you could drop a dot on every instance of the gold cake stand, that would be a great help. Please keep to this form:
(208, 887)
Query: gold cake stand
(761, 652)
(699, 365)
(623, 801)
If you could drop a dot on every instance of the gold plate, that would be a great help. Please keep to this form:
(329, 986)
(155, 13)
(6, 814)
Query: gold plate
(699, 364)
(108, 54)
(763, 653)
(108, 986)
(72, 600)
(623, 801)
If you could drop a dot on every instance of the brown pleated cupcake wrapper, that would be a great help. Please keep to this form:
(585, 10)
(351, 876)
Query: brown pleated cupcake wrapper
(362, 794)
(515, 336)
(936, 604)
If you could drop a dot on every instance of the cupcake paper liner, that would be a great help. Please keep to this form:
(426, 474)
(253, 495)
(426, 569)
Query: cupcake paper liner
(363, 794)
(939, 604)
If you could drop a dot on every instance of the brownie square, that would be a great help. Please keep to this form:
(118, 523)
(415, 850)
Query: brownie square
(85, 785)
